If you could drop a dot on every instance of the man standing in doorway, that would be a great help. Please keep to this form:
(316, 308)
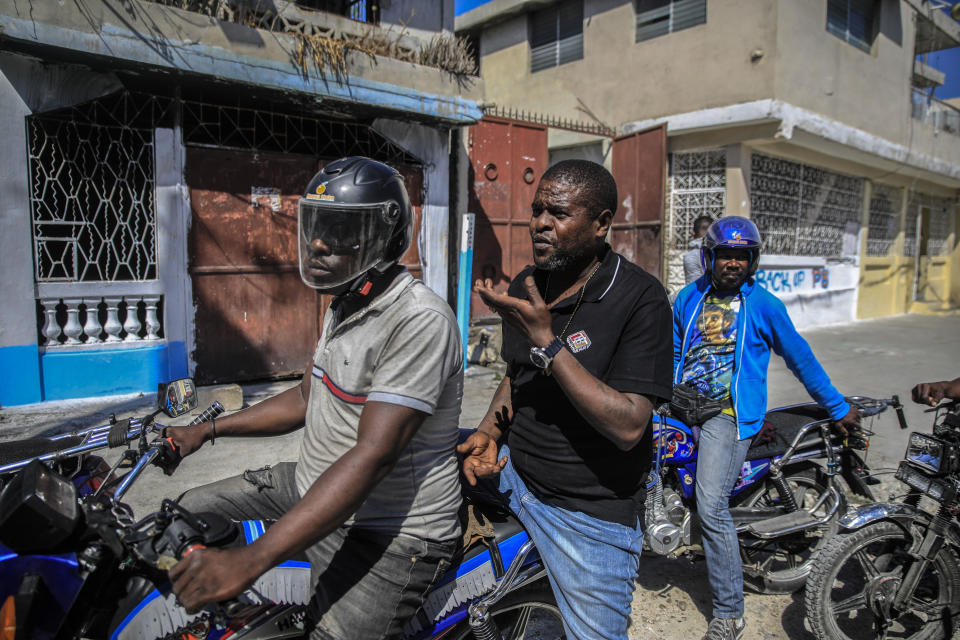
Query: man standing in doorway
(586, 338)
(724, 328)
(691, 259)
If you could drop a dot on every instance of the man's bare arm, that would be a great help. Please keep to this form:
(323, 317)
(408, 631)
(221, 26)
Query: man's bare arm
(383, 433)
(282, 413)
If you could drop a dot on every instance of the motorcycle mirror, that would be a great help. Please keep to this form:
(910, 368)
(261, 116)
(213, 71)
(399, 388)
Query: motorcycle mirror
(177, 398)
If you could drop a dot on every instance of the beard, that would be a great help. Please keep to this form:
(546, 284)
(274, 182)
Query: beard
(563, 259)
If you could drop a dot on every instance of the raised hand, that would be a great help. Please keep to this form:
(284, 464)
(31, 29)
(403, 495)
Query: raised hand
(531, 317)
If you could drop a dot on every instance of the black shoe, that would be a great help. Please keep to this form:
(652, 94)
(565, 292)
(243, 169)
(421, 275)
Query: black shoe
(725, 629)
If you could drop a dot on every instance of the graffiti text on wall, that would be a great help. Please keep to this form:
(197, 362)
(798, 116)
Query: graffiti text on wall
(794, 280)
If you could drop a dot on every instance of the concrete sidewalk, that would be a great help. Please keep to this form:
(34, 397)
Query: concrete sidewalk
(875, 358)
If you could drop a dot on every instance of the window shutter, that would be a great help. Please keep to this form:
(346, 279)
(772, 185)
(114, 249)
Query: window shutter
(570, 31)
(860, 22)
(653, 22)
(688, 13)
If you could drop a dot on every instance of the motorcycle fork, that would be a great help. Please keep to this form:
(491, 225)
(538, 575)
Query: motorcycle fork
(929, 548)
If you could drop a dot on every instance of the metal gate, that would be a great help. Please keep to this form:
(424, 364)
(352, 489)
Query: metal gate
(639, 165)
(507, 158)
(255, 318)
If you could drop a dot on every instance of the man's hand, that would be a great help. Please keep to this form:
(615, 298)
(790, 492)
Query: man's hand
(213, 575)
(931, 393)
(531, 317)
(849, 422)
(480, 457)
(189, 439)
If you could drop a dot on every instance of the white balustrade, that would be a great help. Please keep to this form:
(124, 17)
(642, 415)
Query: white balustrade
(92, 327)
(153, 323)
(122, 320)
(112, 326)
(132, 324)
(72, 328)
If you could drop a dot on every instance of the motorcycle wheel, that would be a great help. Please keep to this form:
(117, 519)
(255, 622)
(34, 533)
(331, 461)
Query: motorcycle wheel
(857, 573)
(781, 565)
(530, 612)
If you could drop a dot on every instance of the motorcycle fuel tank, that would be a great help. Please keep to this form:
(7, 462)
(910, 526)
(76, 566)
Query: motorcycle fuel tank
(677, 445)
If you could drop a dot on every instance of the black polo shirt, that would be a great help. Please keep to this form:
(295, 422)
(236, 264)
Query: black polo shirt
(622, 334)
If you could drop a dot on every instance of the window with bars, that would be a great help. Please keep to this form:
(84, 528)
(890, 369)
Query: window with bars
(660, 17)
(885, 202)
(92, 188)
(556, 35)
(698, 187)
(852, 21)
(802, 210)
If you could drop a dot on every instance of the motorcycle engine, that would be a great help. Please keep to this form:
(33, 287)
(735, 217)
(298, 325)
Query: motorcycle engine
(668, 521)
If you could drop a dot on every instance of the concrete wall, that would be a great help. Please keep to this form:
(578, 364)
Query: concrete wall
(431, 146)
(620, 80)
(429, 15)
(820, 72)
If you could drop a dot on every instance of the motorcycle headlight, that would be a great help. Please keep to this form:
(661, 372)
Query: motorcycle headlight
(38, 510)
(917, 479)
(926, 452)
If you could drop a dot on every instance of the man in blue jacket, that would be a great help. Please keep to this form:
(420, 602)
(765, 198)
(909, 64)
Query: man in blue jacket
(724, 327)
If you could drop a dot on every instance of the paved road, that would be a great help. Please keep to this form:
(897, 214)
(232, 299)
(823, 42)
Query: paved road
(876, 358)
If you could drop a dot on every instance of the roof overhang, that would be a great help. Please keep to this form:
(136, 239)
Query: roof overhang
(152, 38)
(804, 128)
(936, 30)
(495, 12)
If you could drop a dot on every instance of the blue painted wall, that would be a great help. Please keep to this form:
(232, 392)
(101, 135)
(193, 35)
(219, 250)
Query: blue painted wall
(29, 376)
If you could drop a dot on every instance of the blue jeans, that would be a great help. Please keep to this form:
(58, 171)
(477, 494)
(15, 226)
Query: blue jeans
(720, 456)
(591, 563)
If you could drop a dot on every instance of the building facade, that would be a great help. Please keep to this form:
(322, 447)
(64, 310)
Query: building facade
(154, 157)
(812, 117)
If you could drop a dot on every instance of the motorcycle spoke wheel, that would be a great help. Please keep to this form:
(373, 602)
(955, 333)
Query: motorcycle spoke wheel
(781, 565)
(856, 577)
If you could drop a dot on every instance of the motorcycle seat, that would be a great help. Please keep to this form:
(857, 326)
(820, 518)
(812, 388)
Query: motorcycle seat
(29, 448)
(781, 426)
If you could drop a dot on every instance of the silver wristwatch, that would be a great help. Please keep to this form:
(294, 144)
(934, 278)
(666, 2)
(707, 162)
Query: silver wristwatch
(542, 357)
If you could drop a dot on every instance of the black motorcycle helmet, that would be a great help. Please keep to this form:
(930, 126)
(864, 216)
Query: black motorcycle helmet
(354, 216)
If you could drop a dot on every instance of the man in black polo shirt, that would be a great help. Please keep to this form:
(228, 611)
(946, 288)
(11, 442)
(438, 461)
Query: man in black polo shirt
(588, 345)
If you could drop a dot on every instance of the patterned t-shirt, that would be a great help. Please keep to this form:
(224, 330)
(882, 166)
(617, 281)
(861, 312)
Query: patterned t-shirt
(708, 365)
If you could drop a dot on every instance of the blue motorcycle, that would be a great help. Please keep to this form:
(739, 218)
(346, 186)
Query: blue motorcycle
(75, 563)
(785, 504)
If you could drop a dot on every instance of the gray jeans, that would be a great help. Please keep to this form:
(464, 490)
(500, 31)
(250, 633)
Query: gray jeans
(367, 584)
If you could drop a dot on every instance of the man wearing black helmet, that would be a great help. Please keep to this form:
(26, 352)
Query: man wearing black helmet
(724, 328)
(373, 497)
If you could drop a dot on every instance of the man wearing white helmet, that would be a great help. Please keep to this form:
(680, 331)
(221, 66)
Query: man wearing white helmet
(373, 497)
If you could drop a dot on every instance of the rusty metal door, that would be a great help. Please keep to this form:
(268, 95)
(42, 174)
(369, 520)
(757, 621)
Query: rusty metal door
(639, 167)
(507, 159)
(255, 318)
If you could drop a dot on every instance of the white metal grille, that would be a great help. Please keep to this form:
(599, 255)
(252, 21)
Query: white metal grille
(885, 203)
(92, 189)
(698, 187)
(804, 210)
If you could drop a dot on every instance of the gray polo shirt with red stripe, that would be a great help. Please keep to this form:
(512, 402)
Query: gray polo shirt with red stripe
(403, 348)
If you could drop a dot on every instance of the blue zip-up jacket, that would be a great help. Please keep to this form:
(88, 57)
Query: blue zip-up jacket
(762, 324)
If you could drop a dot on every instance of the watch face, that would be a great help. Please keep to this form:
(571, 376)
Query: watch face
(539, 358)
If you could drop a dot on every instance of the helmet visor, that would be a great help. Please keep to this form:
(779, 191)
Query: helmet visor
(338, 243)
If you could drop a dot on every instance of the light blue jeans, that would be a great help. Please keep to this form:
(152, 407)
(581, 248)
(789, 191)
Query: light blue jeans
(591, 563)
(720, 456)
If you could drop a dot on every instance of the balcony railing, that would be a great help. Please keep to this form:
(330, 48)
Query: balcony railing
(938, 114)
(91, 316)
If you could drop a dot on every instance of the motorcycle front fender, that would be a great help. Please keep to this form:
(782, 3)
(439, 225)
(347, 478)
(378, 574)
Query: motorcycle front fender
(899, 513)
(902, 515)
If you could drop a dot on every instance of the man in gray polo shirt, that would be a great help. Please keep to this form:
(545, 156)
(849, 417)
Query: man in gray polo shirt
(373, 497)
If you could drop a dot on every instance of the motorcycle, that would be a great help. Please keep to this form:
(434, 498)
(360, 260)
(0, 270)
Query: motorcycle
(785, 505)
(893, 570)
(75, 563)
